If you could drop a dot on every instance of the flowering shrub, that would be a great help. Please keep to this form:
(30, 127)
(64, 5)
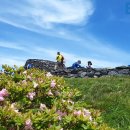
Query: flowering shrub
(36, 100)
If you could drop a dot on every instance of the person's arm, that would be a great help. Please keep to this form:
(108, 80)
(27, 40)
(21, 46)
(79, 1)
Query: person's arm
(57, 57)
(79, 66)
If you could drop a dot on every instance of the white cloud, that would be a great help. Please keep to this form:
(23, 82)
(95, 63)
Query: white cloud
(45, 14)
(49, 12)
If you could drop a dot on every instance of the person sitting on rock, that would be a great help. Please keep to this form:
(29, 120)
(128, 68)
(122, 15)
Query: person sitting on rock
(76, 65)
(60, 61)
(29, 66)
(89, 64)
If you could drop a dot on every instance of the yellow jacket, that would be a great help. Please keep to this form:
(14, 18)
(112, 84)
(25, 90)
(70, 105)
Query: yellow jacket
(59, 58)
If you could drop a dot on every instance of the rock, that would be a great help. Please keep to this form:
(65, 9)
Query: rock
(49, 66)
(113, 73)
(82, 74)
(90, 74)
(124, 72)
(98, 74)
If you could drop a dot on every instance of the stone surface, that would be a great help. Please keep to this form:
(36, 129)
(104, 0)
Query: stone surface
(81, 72)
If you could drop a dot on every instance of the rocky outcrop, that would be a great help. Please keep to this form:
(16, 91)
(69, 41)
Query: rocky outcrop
(81, 72)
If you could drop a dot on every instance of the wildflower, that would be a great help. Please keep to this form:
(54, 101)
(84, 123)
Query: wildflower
(24, 82)
(28, 125)
(86, 112)
(49, 74)
(53, 83)
(31, 95)
(35, 85)
(77, 113)
(3, 93)
(42, 106)
(1, 98)
(61, 114)
(50, 93)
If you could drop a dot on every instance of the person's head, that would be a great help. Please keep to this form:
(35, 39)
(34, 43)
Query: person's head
(79, 61)
(89, 63)
(58, 53)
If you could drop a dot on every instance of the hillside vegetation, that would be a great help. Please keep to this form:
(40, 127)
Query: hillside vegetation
(110, 95)
(36, 100)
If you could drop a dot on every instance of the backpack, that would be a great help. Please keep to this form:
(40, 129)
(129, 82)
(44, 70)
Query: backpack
(62, 59)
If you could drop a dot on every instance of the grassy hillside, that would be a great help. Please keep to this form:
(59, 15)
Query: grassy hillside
(111, 95)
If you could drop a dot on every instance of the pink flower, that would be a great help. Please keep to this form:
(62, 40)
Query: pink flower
(61, 114)
(53, 83)
(28, 125)
(77, 113)
(31, 95)
(50, 93)
(28, 122)
(3, 93)
(42, 106)
(1, 98)
(86, 112)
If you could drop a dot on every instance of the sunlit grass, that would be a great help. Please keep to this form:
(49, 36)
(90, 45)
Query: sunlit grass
(111, 95)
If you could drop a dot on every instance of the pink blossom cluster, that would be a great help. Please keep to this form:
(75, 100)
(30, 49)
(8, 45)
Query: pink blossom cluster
(42, 107)
(31, 95)
(61, 114)
(53, 83)
(28, 125)
(3, 93)
(84, 113)
(50, 93)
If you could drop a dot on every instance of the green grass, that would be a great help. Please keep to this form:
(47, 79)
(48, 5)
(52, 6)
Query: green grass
(111, 95)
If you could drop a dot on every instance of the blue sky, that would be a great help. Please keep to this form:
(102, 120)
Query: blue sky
(96, 30)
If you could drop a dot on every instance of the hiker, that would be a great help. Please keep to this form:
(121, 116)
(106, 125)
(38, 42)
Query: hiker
(60, 61)
(76, 65)
(29, 66)
(89, 64)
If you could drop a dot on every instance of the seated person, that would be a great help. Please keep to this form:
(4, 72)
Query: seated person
(29, 66)
(89, 64)
(76, 65)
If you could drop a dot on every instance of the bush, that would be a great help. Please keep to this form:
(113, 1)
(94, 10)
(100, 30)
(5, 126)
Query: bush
(36, 100)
